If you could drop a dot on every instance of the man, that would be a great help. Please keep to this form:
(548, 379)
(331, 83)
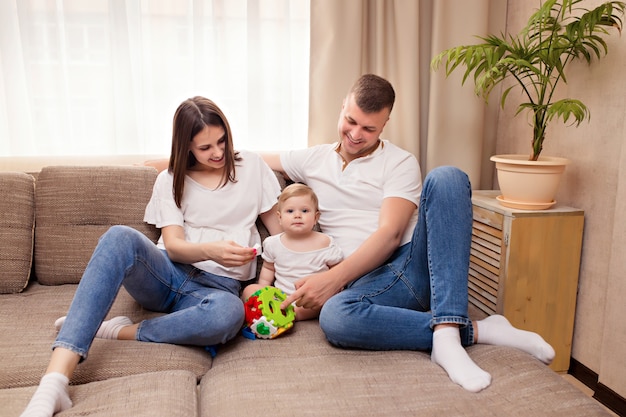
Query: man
(403, 283)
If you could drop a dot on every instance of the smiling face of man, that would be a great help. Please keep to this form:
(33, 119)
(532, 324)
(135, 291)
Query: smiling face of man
(359, 131)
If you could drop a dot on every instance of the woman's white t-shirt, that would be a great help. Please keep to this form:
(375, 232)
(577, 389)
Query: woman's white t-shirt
(227, 213)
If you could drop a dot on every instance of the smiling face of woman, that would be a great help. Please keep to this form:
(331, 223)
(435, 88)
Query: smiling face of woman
(208, 147)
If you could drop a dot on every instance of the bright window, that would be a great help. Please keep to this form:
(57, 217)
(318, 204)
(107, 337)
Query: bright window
(103, 77)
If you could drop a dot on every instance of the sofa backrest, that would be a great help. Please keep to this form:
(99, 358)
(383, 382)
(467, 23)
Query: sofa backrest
(75, 205)
(17, 219)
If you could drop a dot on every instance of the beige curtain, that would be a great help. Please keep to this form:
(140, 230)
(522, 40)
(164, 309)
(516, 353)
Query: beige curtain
(434, 118)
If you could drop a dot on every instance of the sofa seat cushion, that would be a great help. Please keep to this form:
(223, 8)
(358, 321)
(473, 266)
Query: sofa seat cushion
(27, 333)
(17, 222)
(167, 393)
(264, 375)
(74, 206)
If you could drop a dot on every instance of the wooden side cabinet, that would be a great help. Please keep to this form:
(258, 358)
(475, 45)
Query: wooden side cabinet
(524, 265)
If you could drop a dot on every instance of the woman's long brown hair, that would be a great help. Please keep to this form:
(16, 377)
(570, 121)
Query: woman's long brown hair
(191, 117)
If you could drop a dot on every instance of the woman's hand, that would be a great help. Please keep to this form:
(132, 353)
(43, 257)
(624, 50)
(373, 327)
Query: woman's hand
(229, 253)
(226, 253)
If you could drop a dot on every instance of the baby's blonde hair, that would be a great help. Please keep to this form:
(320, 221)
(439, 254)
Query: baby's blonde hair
(295, 190)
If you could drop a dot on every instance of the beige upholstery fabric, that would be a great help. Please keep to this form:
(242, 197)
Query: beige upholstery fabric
(17, 191)
(170, 393)
(265, 375)
(27, 333)
(76, 205)
(299, 373)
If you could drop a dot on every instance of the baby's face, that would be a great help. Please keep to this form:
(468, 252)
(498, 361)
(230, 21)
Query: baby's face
(298, 214)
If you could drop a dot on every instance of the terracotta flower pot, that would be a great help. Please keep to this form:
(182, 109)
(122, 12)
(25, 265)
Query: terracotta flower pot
(528, 185)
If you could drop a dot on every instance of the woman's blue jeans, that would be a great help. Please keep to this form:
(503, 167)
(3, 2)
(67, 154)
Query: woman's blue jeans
(203, 309)
(424, 283)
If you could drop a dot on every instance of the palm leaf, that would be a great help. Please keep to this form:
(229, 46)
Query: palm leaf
(536, 58)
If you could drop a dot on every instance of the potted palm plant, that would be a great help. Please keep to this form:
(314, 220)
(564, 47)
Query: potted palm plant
(533, 62)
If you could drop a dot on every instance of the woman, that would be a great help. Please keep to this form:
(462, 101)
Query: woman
(206, 205)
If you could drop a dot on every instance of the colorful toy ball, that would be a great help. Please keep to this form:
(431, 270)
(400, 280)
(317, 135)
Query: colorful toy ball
(263, 314)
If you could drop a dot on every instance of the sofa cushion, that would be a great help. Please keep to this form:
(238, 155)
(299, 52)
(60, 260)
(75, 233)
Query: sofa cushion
(17, 206)
(169, 393)
(264, 375)
(27, 333)
(74, 206)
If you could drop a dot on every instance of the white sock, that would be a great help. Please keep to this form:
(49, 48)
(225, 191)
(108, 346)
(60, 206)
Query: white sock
(496, 330)
(109, 329)
(52, 396)
(451, 356)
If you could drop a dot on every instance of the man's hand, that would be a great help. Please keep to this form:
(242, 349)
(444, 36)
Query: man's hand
(313, 291)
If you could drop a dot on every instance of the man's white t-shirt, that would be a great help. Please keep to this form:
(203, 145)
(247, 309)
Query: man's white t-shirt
(227, 213)
(350, 199)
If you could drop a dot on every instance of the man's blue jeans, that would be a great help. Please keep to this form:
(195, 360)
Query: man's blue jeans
(424, 283)
(203, 309)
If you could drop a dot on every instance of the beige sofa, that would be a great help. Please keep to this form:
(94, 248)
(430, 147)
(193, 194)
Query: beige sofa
(49, 225)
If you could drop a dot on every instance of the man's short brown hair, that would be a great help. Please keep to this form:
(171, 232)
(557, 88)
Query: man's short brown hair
(373, 93)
